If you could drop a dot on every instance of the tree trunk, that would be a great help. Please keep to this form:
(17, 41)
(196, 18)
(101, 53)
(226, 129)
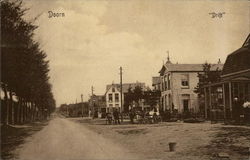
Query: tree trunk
(31, 112)
(21, 111)
(28, 112)
(35, 112)
(6, 104)
(11, 107)
(25, 111)
(18, 111)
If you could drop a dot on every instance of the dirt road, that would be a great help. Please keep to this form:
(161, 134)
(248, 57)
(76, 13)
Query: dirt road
(64, 139)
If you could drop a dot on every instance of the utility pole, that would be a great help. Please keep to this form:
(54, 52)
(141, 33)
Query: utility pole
(68, 110)
(82, 104)
(92, 90)
(92, 101)
(121, 88)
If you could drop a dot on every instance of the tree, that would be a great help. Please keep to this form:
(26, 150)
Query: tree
(207, 77)
(128, 99)
(138, 94)
(133, 95)
(24, 65)
(152, 97)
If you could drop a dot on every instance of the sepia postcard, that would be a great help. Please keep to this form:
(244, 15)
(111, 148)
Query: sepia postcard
(125, 79)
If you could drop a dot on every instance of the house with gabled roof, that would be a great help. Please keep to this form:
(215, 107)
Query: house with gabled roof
(228, 95)
(113, 95)
(178, 83)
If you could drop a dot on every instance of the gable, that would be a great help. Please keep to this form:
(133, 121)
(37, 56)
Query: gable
(112, 89)
(162, 71)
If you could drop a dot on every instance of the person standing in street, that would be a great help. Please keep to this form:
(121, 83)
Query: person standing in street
(131, 115)
(116, 116)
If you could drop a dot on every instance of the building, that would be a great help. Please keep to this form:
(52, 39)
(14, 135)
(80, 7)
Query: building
(75, 110)
(156, 83)
(113, 95)
(97, 105)
(228, 95)
(178, 82)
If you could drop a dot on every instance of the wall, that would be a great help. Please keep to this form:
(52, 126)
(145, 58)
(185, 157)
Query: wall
(113, 103)
(177, 93)
(180, 93)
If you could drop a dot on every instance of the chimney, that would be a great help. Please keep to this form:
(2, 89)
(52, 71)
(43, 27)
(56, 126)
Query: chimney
(219, 62)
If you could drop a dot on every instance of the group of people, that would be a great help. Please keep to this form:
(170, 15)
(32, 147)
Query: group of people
(143, 115)
(116, 117)
(152, 116)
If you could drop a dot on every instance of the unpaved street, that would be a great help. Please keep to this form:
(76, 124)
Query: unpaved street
(91, 139)
(64, 139)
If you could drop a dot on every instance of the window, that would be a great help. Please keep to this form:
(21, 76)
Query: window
(165, 83)
(184, 80)
(117, 97)
(116, 105)
(110, 105)
(113, 89)
(169, 81)
(110, 98)
(162, 84)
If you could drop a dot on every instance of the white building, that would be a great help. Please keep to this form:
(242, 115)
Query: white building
(113, 94)
(178, 83)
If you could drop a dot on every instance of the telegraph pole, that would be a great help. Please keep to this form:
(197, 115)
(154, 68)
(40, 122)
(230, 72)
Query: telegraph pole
(92, 90)
(121, 88)
(92, 101)
(82, 104)
(68, 110)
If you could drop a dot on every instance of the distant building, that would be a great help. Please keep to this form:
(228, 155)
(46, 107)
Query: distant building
(228, 95)
(75, 110)
(178, 82)
(156, 83)
(113, 95)
(97, 105)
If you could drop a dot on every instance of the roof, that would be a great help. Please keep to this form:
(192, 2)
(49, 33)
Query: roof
(239, 60)
(188, 67)
(156, 80)
(97, 96)
(126, 86)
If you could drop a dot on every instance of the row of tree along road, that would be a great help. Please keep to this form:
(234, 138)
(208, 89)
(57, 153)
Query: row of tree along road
(25, 89)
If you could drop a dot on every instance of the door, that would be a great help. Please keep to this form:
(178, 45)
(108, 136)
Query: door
(185, 105)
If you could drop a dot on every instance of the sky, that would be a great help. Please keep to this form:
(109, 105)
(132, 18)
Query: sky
(87, 46)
